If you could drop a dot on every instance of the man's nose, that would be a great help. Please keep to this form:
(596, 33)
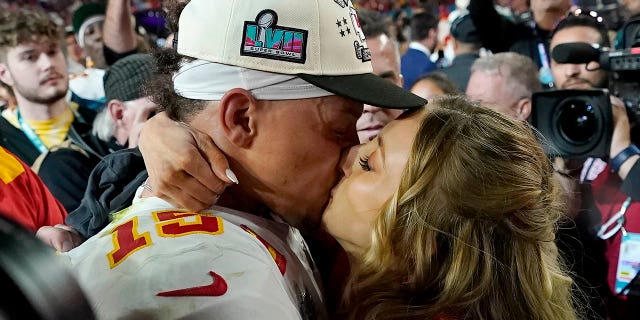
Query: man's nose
(572, 70)
(45, 61)
(372, 109)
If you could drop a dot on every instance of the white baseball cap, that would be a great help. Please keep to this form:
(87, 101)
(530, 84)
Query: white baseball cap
(319, 41)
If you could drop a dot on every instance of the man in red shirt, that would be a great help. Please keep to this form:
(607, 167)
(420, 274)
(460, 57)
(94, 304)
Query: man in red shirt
(24, 198)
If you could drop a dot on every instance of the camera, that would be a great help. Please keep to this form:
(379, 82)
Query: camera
(574, 123)
(579, 123)
(623, 65)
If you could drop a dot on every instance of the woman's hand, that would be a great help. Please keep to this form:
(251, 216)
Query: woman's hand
(185, 167)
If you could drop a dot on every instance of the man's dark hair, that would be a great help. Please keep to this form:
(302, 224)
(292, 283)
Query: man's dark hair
(582, 18)
(373, 23)
(173, 8)
(168, 61)
(421, 23)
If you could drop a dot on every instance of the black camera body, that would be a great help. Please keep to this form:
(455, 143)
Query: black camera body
(574, 123)
(579, 123)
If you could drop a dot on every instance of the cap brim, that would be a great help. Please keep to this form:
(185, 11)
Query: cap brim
(367, 88)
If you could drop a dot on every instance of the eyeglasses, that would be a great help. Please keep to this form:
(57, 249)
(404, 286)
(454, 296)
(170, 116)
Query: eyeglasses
(606, 231)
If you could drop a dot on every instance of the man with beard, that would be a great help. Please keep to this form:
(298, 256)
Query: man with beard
(581, 26)
(33, 65)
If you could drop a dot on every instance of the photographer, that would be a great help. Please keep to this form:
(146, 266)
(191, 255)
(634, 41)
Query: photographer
(608, 184)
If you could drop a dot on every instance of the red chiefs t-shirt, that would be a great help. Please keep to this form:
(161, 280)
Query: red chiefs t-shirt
(24, 198)
(608, 198)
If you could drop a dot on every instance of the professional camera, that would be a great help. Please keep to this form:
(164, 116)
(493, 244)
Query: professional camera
(578, 123)
(574, 123)
(623, 65)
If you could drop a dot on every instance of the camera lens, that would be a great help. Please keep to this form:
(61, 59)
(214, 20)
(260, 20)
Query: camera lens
(577, 121)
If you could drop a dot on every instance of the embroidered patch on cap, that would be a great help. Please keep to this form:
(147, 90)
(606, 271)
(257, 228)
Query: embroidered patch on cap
(351, 25)
(342, 3)
(265, 39)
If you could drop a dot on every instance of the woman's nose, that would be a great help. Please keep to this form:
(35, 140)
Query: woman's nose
(348, 158)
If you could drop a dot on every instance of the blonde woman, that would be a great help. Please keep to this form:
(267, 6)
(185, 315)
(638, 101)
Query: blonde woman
(456, 223)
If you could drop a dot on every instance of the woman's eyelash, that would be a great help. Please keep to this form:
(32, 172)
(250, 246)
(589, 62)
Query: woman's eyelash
(364, 163)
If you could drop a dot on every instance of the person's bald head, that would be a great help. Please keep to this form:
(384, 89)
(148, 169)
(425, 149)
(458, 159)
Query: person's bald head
(385, 60)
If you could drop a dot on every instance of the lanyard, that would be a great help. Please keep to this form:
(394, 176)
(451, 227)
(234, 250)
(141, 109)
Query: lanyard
(605, 232)
(545, 74)
(35, 140)
(542, 53)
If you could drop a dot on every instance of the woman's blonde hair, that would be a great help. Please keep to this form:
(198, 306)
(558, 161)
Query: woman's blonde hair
(469, 234)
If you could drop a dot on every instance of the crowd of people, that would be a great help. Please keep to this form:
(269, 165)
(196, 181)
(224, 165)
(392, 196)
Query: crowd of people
(335, 160)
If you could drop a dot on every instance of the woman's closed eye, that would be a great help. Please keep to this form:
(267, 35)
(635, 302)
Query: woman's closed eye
(364, 163)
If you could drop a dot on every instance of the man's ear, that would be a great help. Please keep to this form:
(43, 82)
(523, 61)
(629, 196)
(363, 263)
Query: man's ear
(5, 75)
(523, 109)
(237, 115)
(116, 109)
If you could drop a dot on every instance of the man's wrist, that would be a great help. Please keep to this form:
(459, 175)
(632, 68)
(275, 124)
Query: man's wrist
(624, 155)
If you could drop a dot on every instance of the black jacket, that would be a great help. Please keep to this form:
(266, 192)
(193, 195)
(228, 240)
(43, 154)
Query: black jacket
(500, 34)
(111, 187)
(14, 140)
(460, 70)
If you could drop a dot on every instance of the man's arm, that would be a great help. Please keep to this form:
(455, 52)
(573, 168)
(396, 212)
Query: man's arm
(496, 32)
(629, 171)
(119, 35)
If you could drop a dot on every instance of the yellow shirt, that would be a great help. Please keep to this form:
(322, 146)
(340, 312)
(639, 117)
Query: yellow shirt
(52, 131)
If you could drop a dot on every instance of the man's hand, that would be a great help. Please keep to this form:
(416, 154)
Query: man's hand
(59, 237)
(185, 167)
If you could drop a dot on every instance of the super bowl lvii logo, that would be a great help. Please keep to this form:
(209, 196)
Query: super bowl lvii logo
(264, 38)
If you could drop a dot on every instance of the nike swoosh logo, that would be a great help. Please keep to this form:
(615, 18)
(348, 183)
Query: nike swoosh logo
(215, 289)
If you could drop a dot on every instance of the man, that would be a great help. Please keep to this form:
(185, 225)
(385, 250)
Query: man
(33, 65)
(424, 39)
(75, 54)
(249, 98)
(505, 81)
(385, 60)
(579, 27)
(88, 21)
(107, 34)
(613, 181)
(529, 38)
(66, 170)
(466, 46)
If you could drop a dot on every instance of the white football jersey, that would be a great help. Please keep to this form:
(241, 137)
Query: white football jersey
(157, 262)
